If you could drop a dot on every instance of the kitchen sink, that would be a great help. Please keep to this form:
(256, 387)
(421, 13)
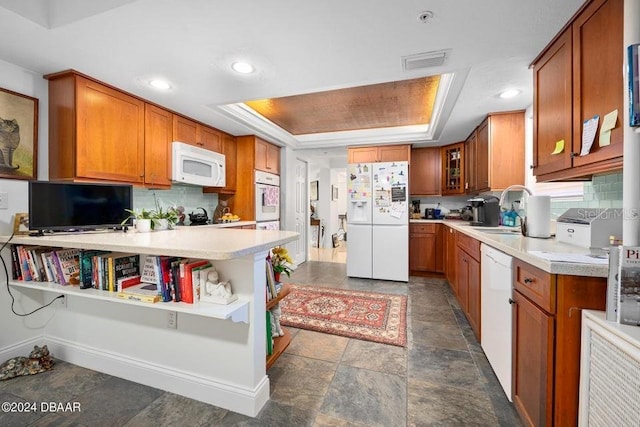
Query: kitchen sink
(489, 230)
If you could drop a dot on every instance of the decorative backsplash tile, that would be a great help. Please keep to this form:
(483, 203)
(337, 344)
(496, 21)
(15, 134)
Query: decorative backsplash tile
(604, 191)
(190, 197)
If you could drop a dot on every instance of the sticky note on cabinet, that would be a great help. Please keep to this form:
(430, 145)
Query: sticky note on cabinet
(608, 123)
(559, 147)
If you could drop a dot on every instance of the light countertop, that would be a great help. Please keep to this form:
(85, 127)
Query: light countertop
(519, 246)
(197, 242)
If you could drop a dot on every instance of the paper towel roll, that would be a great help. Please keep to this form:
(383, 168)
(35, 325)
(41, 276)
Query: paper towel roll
(539, 216)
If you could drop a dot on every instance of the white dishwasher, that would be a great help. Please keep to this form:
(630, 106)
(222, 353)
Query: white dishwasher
(496, 293)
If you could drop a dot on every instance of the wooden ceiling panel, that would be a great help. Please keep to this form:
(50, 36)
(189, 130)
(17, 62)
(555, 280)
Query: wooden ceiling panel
(403, 103)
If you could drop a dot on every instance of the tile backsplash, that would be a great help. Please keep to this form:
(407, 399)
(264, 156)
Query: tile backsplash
(604, 191)
(190, 197)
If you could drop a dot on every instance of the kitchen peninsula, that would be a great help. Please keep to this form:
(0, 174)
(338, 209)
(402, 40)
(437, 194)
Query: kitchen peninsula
(215, 354)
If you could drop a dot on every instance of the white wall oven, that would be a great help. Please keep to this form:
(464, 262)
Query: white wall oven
(267, 201)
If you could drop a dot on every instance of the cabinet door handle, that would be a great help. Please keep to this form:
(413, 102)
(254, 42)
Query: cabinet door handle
(511, 301)
(574, 155)
(531, 166)
(527, 280)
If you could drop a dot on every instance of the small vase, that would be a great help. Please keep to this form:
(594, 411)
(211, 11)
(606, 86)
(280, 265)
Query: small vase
(276, 276)
(162, 224)
(143, 225)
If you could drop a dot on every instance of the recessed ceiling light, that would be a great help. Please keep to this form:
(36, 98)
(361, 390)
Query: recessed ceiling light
(510, 93)
(159, 84)
(242, 67)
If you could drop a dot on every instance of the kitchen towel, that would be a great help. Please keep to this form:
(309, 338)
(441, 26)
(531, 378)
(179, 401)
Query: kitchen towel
(270, 196)
(539, 216)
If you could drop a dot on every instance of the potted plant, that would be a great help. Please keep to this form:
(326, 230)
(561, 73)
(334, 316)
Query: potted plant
(143, 219)
(164, 220)
(281, 262)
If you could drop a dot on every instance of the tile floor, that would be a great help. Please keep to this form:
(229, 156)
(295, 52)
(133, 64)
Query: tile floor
(441, 378)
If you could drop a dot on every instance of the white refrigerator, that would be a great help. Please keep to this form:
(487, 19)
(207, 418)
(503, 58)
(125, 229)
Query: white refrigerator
(378, 221)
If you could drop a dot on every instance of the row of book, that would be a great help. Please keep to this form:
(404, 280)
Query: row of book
(623, 285)
(272, 285)
(146, 278)
(45, 264)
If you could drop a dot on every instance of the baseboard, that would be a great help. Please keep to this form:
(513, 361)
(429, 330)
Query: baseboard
(224, 395)
(22, 348)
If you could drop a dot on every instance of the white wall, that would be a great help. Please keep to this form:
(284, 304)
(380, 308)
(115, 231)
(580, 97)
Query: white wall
(17, 332)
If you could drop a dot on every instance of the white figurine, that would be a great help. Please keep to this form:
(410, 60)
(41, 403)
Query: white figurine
(214, 288)
(276, 312)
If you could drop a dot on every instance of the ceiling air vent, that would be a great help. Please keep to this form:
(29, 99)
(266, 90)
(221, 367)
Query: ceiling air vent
(424, 60)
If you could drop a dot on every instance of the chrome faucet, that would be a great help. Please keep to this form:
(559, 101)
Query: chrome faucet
(512, 187)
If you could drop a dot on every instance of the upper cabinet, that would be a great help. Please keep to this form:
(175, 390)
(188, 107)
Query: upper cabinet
(379, 153)
(193, 133)
(453, 169)
(500, 151)
(229, 150)
(98, 132)
(158, 134)
(95, 131)
(267, 157)
(576, 78)
(470, 158)
(424, 176)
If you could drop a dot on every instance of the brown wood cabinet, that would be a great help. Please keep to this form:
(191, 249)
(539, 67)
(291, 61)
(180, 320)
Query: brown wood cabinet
(229, 150)
(250, 151)
(576, 77)
(194, 133)
(470, 159)
(453, 162)
(95, 131)
(424, 173)
(280, 344)
(158, 135)
(451, 258)
(546, 342)
(498, 157)
(381, 153)
(425, 248)
(468, 279)
(267, 157)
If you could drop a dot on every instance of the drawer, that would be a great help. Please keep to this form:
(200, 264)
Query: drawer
(469, 245)
(423, 228)
(537, 285)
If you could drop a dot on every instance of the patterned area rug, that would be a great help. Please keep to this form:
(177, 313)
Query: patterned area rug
(369, 316)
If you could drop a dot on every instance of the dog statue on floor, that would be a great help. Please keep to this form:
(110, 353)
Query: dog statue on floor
(39, 360)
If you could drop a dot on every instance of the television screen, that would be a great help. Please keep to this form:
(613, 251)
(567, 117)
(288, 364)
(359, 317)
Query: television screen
(61, 206)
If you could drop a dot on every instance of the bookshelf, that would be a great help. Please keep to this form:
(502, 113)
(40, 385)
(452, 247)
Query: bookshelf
(280, 344)
(214, 354)
(237, 311)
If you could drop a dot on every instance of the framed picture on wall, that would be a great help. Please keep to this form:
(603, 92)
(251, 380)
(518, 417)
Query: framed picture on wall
(313, 193)
(18, 135)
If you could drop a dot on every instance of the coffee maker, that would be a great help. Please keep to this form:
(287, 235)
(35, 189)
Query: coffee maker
(486, 211)
(415, 206)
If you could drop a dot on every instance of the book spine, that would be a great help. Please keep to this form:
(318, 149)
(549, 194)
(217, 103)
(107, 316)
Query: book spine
(47, 268)
(56, 262)
(141, 298)
(16, 272)
(33, 268)
(110, 274)
(24, 265)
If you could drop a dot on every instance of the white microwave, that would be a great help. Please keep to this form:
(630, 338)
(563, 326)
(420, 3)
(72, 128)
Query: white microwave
(197, 166)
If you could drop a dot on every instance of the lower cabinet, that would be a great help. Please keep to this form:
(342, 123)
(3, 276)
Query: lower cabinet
(450, 261)
(425, 248)
(546, 342)
(468, 278)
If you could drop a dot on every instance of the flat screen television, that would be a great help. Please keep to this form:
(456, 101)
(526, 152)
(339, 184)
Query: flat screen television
(62, 206)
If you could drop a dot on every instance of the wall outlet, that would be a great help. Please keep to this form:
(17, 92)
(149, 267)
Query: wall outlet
(62, 302)
(172, 320)
(4, 200)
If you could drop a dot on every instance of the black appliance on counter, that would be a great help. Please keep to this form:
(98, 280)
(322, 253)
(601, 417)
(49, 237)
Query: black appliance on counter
(199, 218)
(486, 211)
(415, 205)
(429, 213)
